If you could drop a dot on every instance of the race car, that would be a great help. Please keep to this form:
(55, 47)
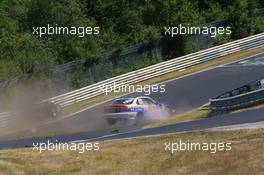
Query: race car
(41, 110)
(138, 110)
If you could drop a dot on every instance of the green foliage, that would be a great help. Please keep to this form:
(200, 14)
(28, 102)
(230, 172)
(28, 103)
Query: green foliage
(121, 23)
(77, 78)
(221, 39)
(242, 18)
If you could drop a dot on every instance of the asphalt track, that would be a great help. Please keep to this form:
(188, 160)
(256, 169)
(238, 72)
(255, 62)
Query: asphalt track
(182, 94)
(251, 116)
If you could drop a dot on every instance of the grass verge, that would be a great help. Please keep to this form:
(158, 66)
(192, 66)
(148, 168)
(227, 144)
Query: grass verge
(146, 156)
(173, 75)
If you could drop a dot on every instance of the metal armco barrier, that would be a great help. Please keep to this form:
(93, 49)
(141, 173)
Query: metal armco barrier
(175, 64)
(237, 102)
(5, 118)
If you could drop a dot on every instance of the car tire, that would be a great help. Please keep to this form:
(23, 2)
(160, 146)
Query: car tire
(139, 118)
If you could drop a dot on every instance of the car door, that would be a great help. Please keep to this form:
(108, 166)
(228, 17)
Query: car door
(148, 103)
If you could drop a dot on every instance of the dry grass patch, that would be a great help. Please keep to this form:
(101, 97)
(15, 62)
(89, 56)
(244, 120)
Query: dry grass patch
(145, 156)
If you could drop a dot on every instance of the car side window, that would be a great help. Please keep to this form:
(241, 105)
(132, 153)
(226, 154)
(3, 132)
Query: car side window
(140, 101)
(147, 101)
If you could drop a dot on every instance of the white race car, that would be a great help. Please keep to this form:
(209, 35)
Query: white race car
(138, 110)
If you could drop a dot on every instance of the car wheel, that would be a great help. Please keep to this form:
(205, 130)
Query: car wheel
(139, 118)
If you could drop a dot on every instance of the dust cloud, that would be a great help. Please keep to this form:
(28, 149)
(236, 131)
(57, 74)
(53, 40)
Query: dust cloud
(22, 103)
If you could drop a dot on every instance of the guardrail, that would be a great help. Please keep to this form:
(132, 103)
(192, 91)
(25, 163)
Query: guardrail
(160, 69)
(247, 95)
(5, 119)
(237, 102)
(157, 70)
(4, 114)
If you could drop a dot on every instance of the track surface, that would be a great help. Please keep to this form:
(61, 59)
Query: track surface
(183, 94)
(218, 121)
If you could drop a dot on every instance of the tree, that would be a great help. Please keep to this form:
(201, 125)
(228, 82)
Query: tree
(240, 17)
